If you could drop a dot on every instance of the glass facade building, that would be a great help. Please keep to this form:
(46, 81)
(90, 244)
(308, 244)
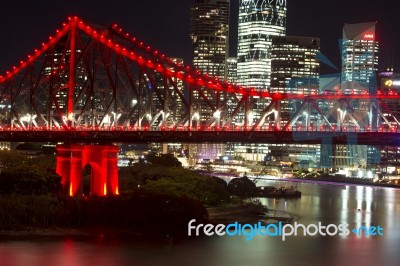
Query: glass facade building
(359, 67)
(231, 67)
(359, 56)
(295, 69)
(259, 20)
(210, 36)
(294, 65)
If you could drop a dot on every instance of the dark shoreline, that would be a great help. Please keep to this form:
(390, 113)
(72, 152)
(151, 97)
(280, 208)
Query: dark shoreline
(224, 214)
(331, 181)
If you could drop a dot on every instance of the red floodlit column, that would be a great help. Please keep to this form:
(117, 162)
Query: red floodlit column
(94, 156)
(69, 167)
(71, 159)
(111, 160)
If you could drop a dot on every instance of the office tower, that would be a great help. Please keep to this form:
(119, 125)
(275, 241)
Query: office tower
(387, 157)
(295, 69)
(294, 65)
(231, 67)
(359, 56)
(210, 37)
(359, 66)
(56, 70)
(231, 70)
(259, 20)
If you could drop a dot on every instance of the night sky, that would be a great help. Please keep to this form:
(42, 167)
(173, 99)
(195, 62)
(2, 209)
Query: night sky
(165, 24)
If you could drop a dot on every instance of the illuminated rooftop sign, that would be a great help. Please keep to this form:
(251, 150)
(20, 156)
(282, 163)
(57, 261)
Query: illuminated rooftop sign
(369, 36)
(392, 83)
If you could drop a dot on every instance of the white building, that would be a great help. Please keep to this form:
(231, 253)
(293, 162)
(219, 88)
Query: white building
(259, 20)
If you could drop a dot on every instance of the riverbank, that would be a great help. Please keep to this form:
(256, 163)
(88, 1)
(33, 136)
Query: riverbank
(244, 213)
(223, 214)
(330, 181)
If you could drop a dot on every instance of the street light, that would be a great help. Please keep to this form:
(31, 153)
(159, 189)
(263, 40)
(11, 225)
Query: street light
(250, 117)
(217, 116)
(305, 114)
(341, 115)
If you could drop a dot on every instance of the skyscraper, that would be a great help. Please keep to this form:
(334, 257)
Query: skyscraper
(359, 56)
(294, 65)
(210, 36)
(259, 20)
(295, 69)
(359, 66)
(231, 70)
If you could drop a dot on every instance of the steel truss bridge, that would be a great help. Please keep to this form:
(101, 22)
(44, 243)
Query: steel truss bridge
(93, 84)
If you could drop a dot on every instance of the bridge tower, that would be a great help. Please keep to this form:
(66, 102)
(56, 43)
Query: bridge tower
(72, 158)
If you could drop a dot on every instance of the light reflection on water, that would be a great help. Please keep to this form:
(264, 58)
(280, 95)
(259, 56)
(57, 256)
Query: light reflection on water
(354, 205)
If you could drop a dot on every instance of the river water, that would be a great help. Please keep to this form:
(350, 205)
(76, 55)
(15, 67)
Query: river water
(328, 204)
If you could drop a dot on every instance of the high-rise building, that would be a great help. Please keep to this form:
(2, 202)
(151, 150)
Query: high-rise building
(387, 157)
(231, 70)
(259, 20)
(294, 65)
(359, 66)
(210, 39)
(359, 56)
(231, 67)
(57, 62)
(210, 36)
(295, 69)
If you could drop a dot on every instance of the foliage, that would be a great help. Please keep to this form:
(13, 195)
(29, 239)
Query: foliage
(22, 175)
(11, 159)
(166, 160)
(28, 212)
(27, 180)
(44, 161)
(243, 187)
(143, 209)
(174, 181)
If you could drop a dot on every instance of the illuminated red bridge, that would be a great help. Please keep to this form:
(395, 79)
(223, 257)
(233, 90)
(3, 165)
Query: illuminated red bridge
(91, 85)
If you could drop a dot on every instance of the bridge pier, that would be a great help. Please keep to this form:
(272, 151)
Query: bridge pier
(72, 158)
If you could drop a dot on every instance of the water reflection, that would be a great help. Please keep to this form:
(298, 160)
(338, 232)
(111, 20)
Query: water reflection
(326, 203)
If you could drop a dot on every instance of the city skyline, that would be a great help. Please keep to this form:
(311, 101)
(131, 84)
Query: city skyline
(173, 37)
